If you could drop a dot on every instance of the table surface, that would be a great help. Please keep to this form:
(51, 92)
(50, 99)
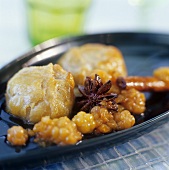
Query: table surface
(149, 151)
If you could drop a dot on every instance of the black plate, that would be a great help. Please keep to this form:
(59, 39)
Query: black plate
(143, 52)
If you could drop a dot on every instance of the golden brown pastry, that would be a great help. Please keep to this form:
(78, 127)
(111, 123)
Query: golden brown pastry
(81, 61)
(39, 91)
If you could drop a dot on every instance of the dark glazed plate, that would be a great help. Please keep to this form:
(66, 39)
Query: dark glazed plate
(143, 52)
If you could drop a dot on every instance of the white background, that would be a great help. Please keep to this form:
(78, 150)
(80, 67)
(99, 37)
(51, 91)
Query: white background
(103, 16)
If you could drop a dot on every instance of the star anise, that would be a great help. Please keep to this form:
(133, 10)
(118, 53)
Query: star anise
(95, 93)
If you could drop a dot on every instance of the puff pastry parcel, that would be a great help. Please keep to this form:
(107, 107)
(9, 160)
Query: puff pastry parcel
(39, 91)
(82, 61)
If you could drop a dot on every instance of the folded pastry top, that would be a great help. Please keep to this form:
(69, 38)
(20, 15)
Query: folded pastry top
(81, 61)
(39, 91)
